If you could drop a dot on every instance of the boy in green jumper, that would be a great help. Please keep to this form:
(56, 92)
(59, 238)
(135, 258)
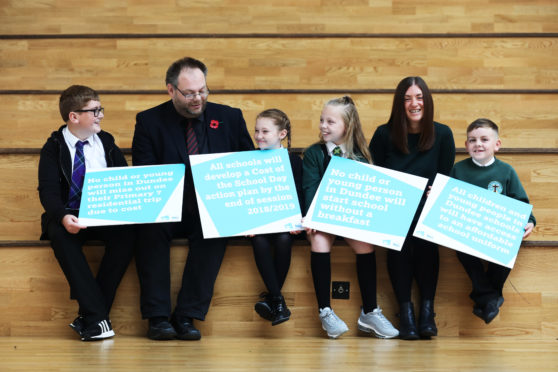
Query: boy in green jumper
(484, 170)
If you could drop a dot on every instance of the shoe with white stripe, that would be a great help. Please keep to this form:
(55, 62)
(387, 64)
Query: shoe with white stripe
(98, 331)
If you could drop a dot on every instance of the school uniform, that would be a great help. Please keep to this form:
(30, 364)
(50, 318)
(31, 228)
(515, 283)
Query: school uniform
(499, 177)
(315, 162)
(94, 293)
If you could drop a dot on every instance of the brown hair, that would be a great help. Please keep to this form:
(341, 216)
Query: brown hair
(354, 137)
(398, 119)
(482, 123)
(176, 68)
(280, 119)
(75, 98)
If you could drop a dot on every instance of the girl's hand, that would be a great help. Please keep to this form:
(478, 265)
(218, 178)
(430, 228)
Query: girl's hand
(428, 192)
(528, 229)
(295, 232)
(308, 229)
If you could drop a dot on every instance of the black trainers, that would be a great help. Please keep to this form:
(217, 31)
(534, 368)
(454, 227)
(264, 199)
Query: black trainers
(98, 331)
(78, 325)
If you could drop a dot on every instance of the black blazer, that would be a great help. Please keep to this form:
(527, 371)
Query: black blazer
(55, 174)
(159, 137)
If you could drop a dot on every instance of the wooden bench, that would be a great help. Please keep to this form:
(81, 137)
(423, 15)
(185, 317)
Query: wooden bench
(34, 295)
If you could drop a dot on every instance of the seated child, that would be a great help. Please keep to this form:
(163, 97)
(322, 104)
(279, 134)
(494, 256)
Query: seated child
(340, 135)
(484, 170)
(78, 145)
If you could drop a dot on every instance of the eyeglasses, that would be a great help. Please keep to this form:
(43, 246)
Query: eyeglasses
(95, 111)
(190, 96)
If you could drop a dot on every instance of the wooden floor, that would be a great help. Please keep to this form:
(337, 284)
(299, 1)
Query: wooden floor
(126, 353)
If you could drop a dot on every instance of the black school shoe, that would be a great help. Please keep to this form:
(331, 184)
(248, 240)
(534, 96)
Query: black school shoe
(490, 311)
(263, 307)
(98, 331)
(185, 329)
(160, 329)
(279, 310)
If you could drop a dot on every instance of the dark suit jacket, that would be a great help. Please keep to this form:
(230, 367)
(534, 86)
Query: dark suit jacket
(55, 174)
(159, 137)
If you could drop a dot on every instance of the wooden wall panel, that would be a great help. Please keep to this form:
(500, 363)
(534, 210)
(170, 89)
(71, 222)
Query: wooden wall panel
(289, 63)
(525, 120)
(276, 16)
(35, 296)
(21, 208)
(341, 50)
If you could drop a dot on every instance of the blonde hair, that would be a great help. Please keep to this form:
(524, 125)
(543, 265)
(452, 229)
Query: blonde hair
(280, 119)
(354, 137)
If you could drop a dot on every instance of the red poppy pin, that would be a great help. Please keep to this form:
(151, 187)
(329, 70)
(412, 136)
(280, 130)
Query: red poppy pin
(214, 124)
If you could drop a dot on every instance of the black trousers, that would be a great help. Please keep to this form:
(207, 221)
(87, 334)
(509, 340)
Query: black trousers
(94, 293)
(200, 272)
(488, 282)
(418, 259)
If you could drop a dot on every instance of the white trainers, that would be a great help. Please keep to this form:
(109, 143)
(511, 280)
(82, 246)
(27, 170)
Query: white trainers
(331, 323)
(376, 322)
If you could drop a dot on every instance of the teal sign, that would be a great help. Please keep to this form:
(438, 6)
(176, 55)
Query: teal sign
(127, 195)
(473, 220)
(365, 202)
(246, 193)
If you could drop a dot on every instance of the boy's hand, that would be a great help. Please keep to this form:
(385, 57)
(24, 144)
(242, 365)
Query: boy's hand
(71, 224)
(528, 229)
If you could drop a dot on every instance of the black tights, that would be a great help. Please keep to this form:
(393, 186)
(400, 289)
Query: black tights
(273, 264)
(418, 259)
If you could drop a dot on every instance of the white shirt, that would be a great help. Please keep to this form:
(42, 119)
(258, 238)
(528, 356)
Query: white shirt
(484, 165)
(330, 146)
(93, 150)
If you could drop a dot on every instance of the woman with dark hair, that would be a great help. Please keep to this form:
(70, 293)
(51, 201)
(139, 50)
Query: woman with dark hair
(412, 142)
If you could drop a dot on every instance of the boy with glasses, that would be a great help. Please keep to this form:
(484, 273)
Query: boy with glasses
(78, 145)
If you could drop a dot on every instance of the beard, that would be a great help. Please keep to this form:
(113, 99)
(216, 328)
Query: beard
(187, 111)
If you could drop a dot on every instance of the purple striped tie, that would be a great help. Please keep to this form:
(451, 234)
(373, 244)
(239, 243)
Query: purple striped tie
(191, 139)
(77, 176)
